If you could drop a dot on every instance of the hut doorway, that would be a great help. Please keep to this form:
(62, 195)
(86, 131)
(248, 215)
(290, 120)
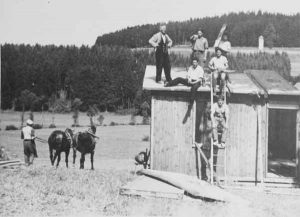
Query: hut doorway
(282, 143)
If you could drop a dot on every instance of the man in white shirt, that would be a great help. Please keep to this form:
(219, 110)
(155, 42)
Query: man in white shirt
(161, 42)
(194, 79)
(218, 65)
(199, 47)
(220, 118)
(27, 134)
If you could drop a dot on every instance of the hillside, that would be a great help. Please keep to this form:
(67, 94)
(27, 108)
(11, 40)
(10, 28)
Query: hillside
(243, 29)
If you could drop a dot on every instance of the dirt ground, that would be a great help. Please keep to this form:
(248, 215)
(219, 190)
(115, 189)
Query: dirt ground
(43, 190)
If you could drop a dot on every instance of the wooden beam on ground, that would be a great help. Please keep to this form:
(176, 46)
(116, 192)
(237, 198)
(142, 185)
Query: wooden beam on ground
(145, 186)
(9, 161)
(11, 164)
(193, 186)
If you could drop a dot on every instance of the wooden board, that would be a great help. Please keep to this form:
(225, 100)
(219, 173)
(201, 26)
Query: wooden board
(273, 83)
(148, 187)
(219, 38)
(172, 140)
(193, 186)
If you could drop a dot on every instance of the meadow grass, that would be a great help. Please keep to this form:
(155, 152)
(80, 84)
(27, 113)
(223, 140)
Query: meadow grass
(43, 190)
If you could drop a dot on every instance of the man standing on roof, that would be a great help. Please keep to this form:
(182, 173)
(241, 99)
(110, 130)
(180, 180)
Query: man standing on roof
(161, 43)
(220, 118)
(199, 47)
(27, 134)
(194, 79)
(218, 65)
(224, 45)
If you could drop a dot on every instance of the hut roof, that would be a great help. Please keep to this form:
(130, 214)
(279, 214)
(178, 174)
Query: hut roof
(272, 82)
(240, 82)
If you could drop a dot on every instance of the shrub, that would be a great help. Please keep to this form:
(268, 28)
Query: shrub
(11, 127)
(113, 123)
(100, 119)
(104, 125)
(37, 126)
(146, 139)
(131, 123)
(52, 126)
(75, 125)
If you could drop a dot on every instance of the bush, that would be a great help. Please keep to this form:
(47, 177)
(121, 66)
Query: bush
(113, 123)
(11, 127)
(131, 123)
(37, 126)
(75, 125)
(100, 119)
(146, 139)
(52, 126)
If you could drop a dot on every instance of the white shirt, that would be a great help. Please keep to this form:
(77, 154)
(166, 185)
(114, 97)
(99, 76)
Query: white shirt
(163, 37)
(28, 132)
(195, 73)
(225, 46)
(218, 63)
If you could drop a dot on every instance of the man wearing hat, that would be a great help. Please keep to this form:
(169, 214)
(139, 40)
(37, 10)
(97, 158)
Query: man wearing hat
(27, 134)
(220, 117)
(161, 43)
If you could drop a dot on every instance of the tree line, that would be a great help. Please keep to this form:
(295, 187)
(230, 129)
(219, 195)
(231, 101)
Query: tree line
(243, 29)
(104, 77)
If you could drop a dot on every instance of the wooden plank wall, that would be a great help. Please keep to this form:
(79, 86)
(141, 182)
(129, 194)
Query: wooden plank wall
(172, 140)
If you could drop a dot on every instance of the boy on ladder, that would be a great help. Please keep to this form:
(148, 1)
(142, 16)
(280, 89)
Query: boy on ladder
(220, 117)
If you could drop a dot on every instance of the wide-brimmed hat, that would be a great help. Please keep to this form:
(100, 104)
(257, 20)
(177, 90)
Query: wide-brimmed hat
(29, 122)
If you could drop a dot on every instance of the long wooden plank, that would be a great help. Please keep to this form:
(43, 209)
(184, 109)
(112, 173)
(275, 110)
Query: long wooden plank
(9, 161)
(218, 40)
(148, 187)
(11, 164)
(298, 145)
(193, 186)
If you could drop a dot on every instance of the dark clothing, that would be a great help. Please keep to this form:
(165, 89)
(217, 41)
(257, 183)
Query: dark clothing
(220, 126)
(29, 151)
(162, 61)
(184, 81)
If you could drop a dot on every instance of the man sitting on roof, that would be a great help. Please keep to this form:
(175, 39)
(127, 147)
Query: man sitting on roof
(220, 117)
(218, 65)
(194, 79)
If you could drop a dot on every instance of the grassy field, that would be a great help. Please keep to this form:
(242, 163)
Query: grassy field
(294, 54)
(42, 190)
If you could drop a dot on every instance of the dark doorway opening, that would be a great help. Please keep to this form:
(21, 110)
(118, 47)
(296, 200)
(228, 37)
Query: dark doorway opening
(282, 143)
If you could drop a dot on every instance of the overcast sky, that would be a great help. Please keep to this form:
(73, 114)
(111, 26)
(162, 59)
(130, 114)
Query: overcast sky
(81, 21)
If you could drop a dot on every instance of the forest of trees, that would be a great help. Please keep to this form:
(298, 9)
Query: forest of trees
(106, 77)
(243, 28)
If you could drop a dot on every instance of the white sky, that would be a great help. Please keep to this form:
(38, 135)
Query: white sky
(81, 21)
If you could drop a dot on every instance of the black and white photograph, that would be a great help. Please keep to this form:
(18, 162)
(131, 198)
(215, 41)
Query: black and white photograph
(149, 108)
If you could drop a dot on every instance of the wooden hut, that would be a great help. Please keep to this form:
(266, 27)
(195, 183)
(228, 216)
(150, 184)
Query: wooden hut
(264, 122)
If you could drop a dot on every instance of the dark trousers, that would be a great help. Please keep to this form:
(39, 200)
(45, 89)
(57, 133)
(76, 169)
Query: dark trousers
(184, 81)
(29, 151)
(219, 126)
(162, 62)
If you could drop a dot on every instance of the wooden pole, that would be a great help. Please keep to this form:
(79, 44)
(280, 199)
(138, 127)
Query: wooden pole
(211, 139)
(0, 80)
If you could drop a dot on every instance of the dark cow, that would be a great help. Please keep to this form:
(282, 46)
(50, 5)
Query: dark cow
(85, 143)
(60, 141)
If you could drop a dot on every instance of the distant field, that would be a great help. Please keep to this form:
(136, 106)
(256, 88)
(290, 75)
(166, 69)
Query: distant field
(294, 54)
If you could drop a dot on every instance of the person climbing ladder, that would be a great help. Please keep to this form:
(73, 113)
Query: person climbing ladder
(220, 117)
